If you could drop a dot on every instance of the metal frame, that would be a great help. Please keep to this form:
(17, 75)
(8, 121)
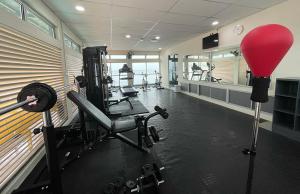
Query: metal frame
(54, 183)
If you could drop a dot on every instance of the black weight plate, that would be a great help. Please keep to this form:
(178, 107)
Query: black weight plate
(147, 169)
(46, 97)
(53, 94)
(130, 184)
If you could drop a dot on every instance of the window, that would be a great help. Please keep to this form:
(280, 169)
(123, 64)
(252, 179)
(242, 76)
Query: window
(152, 70)
(12, 7)
(17, 8)
(71, 43)
(193, 57)
(139, 70)
(114, 69)
(32, 59)
(75, 47)
(68, 42)
(40, 22)
(117, 56)
(152, 57)
(138, 56)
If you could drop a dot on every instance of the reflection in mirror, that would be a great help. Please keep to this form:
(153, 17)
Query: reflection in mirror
(226, 66)
(223, 66)
(196, 67)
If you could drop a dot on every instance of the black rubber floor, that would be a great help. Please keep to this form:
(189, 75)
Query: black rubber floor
(202, 154)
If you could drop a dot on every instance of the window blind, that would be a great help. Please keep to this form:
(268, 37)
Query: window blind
(74, 65)
(24, 59)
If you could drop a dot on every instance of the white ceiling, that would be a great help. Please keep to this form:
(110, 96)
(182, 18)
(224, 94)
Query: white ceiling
(108, 21)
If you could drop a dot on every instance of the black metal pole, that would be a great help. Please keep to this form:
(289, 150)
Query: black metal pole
(51, 154)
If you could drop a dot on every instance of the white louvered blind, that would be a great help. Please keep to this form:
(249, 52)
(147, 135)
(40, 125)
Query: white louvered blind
(74, 65)
(24, 59)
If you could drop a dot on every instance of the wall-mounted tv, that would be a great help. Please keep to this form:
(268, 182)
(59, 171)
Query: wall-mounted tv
(210, 41)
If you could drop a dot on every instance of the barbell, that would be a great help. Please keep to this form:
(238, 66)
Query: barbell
(35, 97)
(39, 97)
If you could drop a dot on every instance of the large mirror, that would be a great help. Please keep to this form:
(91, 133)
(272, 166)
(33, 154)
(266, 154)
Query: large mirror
(223, 66)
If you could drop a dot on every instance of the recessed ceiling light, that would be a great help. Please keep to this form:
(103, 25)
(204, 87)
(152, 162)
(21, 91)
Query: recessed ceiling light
(215, 23)
(142, 39)
(128, 36)
(159, 48)
(79, 8)
(157, 37)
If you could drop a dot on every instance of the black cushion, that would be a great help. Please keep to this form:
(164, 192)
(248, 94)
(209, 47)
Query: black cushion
(121, 125)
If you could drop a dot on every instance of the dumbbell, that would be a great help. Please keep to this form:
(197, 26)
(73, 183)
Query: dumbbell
(151, 178)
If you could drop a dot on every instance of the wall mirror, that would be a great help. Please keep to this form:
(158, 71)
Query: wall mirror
(221, 66)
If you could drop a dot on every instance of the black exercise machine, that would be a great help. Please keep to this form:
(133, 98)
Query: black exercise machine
(115, 128)
(128, 90)
(197, 71)
(97, 82)
(40, 97)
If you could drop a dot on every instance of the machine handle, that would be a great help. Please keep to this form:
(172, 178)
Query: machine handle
(161, 111)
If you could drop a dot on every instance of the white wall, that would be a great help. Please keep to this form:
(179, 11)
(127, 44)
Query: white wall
(284, 14)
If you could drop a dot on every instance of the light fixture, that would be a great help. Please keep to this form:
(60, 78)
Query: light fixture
(215, 23)
(79, 8)
(128, 36)
(157, 37)
(142, 39)
(159, 48)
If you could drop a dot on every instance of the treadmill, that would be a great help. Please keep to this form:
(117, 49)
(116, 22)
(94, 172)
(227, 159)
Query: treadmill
(126, 73)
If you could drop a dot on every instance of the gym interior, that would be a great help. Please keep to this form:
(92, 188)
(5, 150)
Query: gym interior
(149, 96)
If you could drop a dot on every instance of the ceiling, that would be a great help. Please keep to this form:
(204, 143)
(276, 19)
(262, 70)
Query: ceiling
(108, 21)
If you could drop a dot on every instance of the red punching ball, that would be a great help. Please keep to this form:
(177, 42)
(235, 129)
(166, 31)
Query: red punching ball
(263, 49)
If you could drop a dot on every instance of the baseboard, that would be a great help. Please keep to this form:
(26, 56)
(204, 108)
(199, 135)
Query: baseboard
(266, 116)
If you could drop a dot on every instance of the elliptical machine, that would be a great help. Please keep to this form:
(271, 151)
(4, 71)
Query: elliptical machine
(158, 82)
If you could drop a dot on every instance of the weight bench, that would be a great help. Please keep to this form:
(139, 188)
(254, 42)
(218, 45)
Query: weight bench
(112, 102)
(115, 128)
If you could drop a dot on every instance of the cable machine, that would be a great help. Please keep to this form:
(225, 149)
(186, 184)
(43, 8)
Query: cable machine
(93, 64)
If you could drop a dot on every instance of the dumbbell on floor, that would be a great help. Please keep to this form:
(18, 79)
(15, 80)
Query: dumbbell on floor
(151, 179)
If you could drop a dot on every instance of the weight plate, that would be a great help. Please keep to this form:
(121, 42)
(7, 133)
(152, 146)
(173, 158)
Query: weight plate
(46, 97)
(147, 169)
(130, 184)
